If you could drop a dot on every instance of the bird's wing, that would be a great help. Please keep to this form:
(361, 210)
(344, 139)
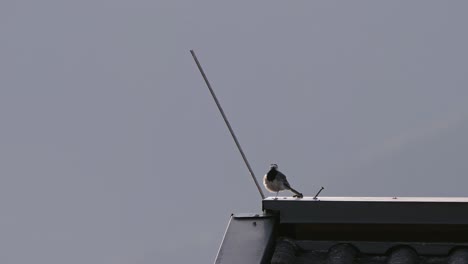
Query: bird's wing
(281, 177)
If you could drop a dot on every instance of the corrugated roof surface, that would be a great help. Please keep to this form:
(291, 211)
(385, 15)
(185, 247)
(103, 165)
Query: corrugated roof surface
(288, 252)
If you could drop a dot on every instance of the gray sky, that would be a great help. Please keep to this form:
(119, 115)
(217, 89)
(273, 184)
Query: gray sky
(112, 151)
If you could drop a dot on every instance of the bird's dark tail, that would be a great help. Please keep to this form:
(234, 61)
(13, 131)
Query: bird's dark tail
(298, 194)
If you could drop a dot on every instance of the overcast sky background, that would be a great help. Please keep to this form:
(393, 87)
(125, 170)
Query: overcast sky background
(112, 150)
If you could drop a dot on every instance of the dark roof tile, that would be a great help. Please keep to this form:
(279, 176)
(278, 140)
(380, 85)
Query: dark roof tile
(403, 255)
(458, 256)
(287, 252)
(341, 254)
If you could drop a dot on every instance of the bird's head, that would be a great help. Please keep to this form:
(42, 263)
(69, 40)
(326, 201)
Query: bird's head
(273, 166)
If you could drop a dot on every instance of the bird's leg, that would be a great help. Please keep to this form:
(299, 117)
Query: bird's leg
(276, 197)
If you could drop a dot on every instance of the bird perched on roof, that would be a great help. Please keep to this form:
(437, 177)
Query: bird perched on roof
(275, 181)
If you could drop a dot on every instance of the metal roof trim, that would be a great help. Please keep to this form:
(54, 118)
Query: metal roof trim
(370, 210)
(373, 199)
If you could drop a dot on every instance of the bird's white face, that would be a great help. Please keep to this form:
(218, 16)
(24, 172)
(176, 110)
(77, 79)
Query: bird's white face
(274, 166)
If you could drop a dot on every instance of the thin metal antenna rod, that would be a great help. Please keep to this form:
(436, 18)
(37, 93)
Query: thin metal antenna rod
(227, 123)
(321, 189)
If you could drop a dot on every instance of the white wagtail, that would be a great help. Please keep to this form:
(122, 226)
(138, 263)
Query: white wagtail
(275, 181)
